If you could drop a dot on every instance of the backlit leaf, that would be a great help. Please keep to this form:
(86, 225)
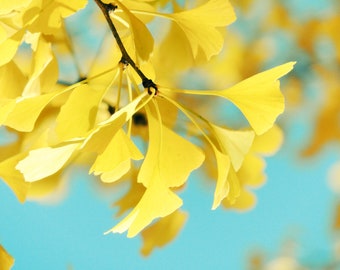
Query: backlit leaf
(176, 156)
(259, 97)
(44, 162)
(157, 201)
(115, 161)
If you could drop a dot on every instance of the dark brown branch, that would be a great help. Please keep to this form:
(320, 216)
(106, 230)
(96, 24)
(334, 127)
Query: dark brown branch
(106, 9)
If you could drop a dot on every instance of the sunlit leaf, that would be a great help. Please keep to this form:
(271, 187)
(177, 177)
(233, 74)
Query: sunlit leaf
(157, 201)
(259, 97)
(200, 25)
(79, 113)
(13, 178)
(44, 162)
(115, 161)
(27, 110)
(176, 156)
(222, 185)
(142, 36)
(235, 142)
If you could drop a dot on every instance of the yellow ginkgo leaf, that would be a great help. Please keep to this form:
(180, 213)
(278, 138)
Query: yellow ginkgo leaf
(132, 197)
(96, 140)
(9, 47)
(44, 162)
(27, 110)
(245, 201)
(252, 171)
(143, 39)
(235, 187)
(77, 116)
(222, 184)
(51, 189)
(259, 97)
(162, 232)
(6, 260)
(199, 25)
(269, 142)
(158, 201)
(6, 106)
(43, 60)
(13, 178)
(115, 160)
(52, 12)
(176, 156)
(236, 143)
(12, 81)
(8, 6)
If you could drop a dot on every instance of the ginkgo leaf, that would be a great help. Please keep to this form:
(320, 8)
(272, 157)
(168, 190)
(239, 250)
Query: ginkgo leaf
(6, 106)
(94, 141)
(235, 187)
(77, 116)
(13, 178)
(6, 260)
(51, 189)
(42, 59)
(199, 25)
(115, 160)
(157, 201)
(143, 39)
(8, 6)
(176, 156)
(235, 142)
(52, 12)
(9, 47)
(251, 172)
(132, 197)
(162, 232)
(27, 110)
(259, 97)
(245, 201)
(44, 162)
(222, 184)
(12, 81)
(269, 142)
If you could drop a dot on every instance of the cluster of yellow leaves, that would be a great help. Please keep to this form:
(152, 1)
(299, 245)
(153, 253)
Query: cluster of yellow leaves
(96, 122)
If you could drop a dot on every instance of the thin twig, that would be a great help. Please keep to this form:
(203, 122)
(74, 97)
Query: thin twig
(106, 9)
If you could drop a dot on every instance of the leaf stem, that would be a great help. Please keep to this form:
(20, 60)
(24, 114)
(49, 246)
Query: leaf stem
(107, 9)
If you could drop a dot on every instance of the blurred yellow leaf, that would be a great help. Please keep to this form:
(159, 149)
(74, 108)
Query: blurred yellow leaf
(13, 178)
(162, 232)
(6, 260)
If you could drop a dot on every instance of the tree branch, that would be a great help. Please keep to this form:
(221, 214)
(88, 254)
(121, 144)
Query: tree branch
(126, 59)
